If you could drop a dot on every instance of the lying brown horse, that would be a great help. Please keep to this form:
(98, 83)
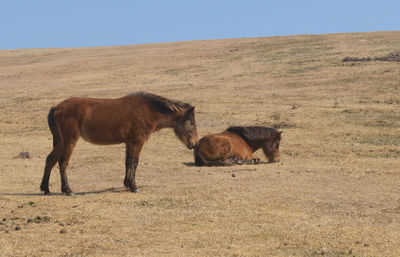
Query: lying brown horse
(129, 119)
(236, 145)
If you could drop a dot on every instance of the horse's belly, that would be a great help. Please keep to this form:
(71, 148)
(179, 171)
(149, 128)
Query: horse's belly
(100, 136)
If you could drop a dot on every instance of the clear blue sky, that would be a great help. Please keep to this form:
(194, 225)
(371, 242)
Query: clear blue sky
(80, 23)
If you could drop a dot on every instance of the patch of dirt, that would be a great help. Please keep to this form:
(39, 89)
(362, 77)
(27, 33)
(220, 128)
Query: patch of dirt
(391, 57)
(39, 219)
(283, 125)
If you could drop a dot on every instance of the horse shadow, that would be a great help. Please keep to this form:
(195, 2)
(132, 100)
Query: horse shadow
(189, 164)
(192, 164)
(111, 189)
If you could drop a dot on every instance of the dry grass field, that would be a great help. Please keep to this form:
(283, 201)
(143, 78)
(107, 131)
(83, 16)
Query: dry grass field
(336, 191)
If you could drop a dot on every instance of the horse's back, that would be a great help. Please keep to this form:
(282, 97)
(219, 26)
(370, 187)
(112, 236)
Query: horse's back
(101, 121)
(77, 107)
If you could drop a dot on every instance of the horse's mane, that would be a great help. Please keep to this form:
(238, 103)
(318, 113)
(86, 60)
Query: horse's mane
(162, 104)
(255, 135)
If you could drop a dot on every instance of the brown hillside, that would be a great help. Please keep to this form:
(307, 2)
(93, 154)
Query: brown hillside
(335, 191)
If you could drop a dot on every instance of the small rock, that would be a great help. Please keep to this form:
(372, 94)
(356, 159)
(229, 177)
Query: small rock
(63, 231)
(17, 228)
(24, 155)
(233, 175)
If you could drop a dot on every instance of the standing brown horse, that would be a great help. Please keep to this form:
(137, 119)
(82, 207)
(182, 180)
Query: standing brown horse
(129, 119)
(236, 145)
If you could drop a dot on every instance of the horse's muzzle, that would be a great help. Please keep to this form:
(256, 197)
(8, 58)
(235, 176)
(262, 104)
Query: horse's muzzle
(190, 146)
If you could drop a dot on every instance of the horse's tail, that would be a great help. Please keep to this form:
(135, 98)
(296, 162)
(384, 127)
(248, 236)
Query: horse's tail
(53, 127)
(198, 158)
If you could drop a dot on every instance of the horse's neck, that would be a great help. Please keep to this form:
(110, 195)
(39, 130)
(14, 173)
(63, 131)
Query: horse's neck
(166, 121)
(254, 145)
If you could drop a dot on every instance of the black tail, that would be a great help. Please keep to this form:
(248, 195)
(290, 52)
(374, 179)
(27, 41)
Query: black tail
(55, 154)
(53, 127)
(198, 159)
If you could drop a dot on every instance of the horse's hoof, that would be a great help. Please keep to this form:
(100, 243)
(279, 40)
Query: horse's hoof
(45, 190)
(69, 193)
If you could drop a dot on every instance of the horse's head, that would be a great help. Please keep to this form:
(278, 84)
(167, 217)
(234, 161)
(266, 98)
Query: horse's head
(271, 147)
(186, 130)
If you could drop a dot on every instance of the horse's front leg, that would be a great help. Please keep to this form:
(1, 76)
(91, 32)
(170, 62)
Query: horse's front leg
(131, 163)
(256, 160)
(251, 161)
(235, 160)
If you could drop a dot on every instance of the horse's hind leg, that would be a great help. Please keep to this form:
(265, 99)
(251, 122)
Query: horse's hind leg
(51, 160)
(63, 164)
(235, 160)
(252, 161)
(69, 142)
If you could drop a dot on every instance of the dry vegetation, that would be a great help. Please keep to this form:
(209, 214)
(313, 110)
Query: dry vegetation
(335, 192)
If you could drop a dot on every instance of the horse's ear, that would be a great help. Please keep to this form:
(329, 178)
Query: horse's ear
(189, 112)
(280, 132)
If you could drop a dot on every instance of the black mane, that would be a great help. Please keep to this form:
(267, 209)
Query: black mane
(255, 136)
(162, 104)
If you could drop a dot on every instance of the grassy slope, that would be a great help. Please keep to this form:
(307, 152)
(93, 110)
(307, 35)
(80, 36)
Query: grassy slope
(334, 192)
